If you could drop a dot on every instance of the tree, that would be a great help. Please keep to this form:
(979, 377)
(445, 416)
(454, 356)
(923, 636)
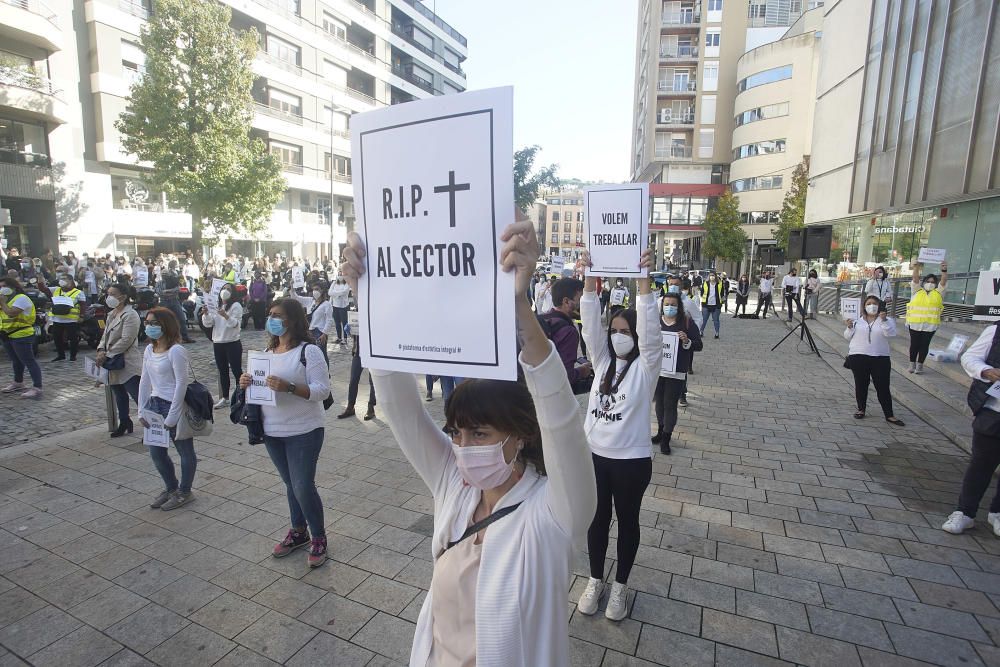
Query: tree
(724, 238)
(793, 208)
(526, 184)
(189, 116)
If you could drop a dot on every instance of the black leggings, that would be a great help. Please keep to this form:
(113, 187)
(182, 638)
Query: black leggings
(920, 343)
(982, 465)
(741, 301)
(876, 369)
(228, 357)
(668, 392)
(624, 481)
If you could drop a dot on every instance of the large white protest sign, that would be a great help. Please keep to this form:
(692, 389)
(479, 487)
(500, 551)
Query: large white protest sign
(155, 435)
(850, 308)
(140, 276)
(932, 255)
(298, 277)
(259, 368)
(433, 191)
(617, 228)
(987, 296)
(94, 371)
(671, 345)
(557, 265)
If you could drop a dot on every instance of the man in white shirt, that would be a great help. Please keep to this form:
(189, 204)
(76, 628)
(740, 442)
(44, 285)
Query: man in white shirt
(764, 293)
(790, 285)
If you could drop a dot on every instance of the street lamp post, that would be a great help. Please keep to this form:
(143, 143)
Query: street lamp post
(334, 108)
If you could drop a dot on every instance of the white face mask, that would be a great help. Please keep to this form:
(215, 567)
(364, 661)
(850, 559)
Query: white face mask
(112, 301)
(929, 286)
(317, 294)
(871, 308)
(483, 466)
(622, 343)
(63, 283)
(6, 291)
(225, 294)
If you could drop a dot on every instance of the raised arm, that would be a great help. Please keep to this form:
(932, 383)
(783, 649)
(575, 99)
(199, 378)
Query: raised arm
(590, 316)
(944, 277)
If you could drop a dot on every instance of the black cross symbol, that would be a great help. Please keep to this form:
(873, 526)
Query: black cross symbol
(451, 189)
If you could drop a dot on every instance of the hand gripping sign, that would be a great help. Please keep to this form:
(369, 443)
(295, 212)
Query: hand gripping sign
(434, 190)
(617, 229)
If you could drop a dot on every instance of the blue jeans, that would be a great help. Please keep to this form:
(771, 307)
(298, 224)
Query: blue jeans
(175, 307)
(714, 312)
(447, 384)
(295, 458)
(185, 449)
(22, 355)
(121, 393)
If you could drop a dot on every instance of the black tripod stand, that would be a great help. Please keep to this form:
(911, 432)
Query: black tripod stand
(802, 328)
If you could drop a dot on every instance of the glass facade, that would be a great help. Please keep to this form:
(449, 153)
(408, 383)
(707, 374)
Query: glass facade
(762, 113)
(679, 210)
(759, 148)
(757, 183)
(767, 76)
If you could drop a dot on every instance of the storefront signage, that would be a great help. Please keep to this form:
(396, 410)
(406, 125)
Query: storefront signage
(987, 296)
(916, 229)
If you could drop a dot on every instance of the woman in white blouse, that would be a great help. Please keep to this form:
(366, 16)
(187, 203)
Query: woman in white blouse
(516, 461)
(868, 357)
(879, 285)
(321, 321)
(340, 294)
(225, 322)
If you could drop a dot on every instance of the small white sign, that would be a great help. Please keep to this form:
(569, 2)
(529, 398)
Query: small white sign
(259, 368)
(932, 255)
(140, 276)
(618, 295)
(617, 228)
(957, 343)
(94, 371)
(298, 277)
(671, 346)
(994, 390)
(558, 264)
(850, 308)
(155, 435)
(353, 322)
(987, 296)
(433, 192)
(212, 303)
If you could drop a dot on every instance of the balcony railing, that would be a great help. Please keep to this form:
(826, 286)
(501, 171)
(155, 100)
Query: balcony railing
(279, 62)
(363, 7)
(454, 68)
(281, 114)
(681, 18)
(415, 79)
(685, 117)
(406, 32)
(680, 52)
(135, 8)
(677, 86)
(24, 158)
(451, 32)
(35, 7)
(25, 78)
(291, 168)
(673, 153)
(337, 176)
(359, 95)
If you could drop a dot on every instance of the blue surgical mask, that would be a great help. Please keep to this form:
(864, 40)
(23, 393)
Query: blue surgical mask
(670, 311)
(674, 289)
(154, 331)
(275, 326)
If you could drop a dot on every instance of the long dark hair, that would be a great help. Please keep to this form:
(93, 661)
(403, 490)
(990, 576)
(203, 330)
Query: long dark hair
(608, 384)
(506, 406)
(168, 322)
(681, 315)
(295, 320)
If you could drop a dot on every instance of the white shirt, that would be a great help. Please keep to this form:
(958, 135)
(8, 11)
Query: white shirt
(974, 362)
(617, 425)
(766, 285)
(225, 324)
(80, 298)
(871, 339)
(339, 295)
(521, 611)
(322, 318)
(880, 288)
(791, 281)
(543, 298)
(294, 415)
(164, 375)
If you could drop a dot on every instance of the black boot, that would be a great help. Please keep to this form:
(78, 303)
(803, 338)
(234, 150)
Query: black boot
(349, 412)
(665, 444)
(658, 437)
(123, 427)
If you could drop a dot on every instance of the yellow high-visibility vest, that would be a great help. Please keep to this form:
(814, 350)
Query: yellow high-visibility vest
(21, 326)
(925, 308)
(74, 311)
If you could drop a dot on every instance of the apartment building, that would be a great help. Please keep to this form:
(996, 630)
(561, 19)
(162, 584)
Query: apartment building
(560, 223)
(65, 71)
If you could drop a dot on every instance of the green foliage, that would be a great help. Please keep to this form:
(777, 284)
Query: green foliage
(527, 184)
(190, 114)
(724, 238)
(793, 208)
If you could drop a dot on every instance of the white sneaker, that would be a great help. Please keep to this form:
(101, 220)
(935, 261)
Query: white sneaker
(221, 403)
(913, 367)
(591, 597)
(12, 387)
(34, 392)
(993, 518)
(919, 369)
(957, 523)
(617, 602)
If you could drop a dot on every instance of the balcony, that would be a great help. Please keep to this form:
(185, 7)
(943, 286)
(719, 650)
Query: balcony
(683, 52)
(454, 68)
(406, 32)
(687, 87)
(291, 168)
(29, 21)
(681, 19)
(337, 176)
(671, 117)
(359, 94)
(24, 91)
(673, 153)
(433, 18)
(280, 114)
(137, 8)
(27, 181)
(415, 79)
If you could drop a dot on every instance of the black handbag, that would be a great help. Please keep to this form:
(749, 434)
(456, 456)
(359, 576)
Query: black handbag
(328, 401)
(115, 363)
(849, 361)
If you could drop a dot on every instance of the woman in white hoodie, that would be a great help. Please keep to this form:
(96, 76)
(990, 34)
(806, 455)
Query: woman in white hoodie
(627, 363)
(515, 461)
(225, 323)
(340, 294)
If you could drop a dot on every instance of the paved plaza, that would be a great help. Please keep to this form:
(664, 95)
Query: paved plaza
(781, 531)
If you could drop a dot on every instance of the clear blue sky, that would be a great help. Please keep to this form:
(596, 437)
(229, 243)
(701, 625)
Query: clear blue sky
(572, 65)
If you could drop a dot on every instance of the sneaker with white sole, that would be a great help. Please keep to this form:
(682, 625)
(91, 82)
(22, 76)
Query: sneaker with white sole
(34, 392)
(221, 403)
(12, 387)
(957, 523)
(993, 518)
(591, 597)
(617, 602)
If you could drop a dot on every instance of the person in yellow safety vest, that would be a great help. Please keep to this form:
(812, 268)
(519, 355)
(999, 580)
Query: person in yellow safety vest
(65, 317)
(228, 273)
(923, 313)
(17, 332)
(712, 295)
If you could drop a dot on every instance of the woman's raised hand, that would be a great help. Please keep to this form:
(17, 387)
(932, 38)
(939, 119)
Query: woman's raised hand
(352, 263)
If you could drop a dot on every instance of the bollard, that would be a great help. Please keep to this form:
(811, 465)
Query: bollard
(109, 403)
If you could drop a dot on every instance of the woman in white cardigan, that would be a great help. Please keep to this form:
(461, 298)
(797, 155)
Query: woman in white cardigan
(499, 597)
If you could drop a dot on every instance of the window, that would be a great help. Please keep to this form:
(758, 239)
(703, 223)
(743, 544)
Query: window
(568, 226)
(759, 148)
(555, 216)
(706, 143)
(284, 51)
(579, 225)
(23, 143)
(756, 183)
(710, 76)
(767, 76)
(712, 38)
(566, 238)
(133, 61)
(579, 216)
(708, 109)
(762, 113)
(337, 167)
(757, 9)
(579, 238)
(288, 155)
(554, 202)
(334, 27)
(715, 5)
(284, 102)
(555, 238)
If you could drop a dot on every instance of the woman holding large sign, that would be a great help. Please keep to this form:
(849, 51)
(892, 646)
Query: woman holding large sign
(626, 359)
(514, 461)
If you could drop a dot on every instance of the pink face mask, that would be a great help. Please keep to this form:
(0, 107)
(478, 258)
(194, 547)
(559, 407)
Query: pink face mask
(483, 466)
